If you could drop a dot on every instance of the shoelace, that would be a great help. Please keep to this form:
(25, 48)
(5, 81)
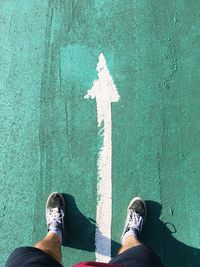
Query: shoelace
(55, 216)
(135, 220)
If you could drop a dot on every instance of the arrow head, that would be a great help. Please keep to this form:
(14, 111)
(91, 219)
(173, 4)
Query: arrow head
(104, 88)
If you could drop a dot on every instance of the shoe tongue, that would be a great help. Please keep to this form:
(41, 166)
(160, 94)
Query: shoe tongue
(55, 209)
(54, 202)
(139, 208)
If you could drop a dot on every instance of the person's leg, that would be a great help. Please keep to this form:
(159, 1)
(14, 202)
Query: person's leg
(47, 252)
(133, 252)
(130, 242)
(51, 245)
(136, 216)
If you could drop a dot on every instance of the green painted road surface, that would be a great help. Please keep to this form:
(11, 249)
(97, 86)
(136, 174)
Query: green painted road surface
(48, 132)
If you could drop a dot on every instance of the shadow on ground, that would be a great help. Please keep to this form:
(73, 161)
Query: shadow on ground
(80, 230)
(159, 236)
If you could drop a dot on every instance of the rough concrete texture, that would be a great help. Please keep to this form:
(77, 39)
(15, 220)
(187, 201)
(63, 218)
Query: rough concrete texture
(48, 131)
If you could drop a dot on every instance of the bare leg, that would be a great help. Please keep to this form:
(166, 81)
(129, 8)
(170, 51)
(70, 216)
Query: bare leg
(51, 245)
(130, 242)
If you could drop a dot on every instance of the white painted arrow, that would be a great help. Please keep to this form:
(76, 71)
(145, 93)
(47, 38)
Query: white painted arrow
(105, 92)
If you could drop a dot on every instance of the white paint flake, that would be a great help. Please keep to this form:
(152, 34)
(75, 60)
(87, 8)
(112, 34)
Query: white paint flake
(105, 92)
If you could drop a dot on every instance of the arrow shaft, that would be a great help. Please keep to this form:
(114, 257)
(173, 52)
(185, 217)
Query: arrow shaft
(104, 192)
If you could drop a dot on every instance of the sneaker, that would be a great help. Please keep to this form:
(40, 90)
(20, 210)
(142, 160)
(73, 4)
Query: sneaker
(55, 207)
(136, 215)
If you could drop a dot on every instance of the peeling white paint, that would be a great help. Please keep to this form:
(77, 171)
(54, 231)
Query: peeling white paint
(105, 92)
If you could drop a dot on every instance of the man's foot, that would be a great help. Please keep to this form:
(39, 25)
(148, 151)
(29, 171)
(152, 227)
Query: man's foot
(55, 207)
(136, 215)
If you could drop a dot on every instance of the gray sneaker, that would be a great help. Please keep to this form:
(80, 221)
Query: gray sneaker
(136, 215)
(55, 207)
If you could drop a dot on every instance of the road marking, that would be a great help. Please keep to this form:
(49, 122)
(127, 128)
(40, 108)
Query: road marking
(105, 92)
